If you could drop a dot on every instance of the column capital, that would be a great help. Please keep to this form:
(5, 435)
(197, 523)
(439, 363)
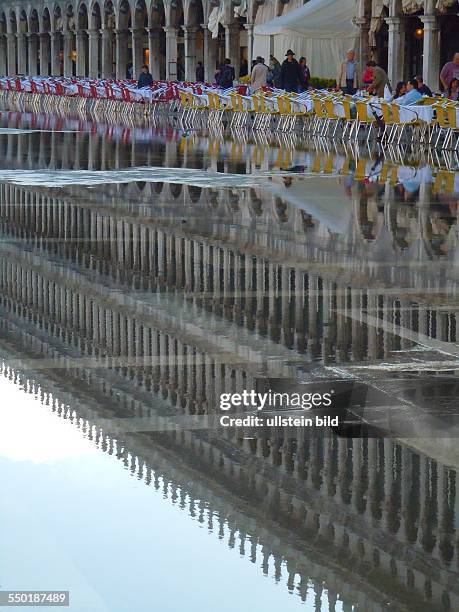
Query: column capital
(393, 21)
(170, 30)
(93, 33)
(363, 22)
(430, 22)
(249, 26)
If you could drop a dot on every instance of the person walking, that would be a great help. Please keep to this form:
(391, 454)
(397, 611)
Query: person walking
(348, 77)
(290, 77)
(305, 74)
(275, 69)
(199, 73)
(145, 78)
(380, 80)
(449, 72)
(259, 75)
(226, 75)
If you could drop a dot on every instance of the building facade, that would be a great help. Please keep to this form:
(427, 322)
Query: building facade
(113, 38)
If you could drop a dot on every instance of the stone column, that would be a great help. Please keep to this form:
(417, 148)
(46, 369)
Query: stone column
(364, 41)
(44, 53)
(22, 53)
(3, 55)
(121, 53)
(232, 45)
(171, 53)
(68, 48)
(396, 49)
(210, 55)
(33, 53)
(137, 52)
(154, 48)
(81, 53)
(431, 52)
(107, 54)
(190, 52)
(94, 36)
(55, 49)
(249, 28)
(11, 46)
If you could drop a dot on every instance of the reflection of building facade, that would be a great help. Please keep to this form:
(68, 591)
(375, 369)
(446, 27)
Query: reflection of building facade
(140, 303)
(105, 38)
(165, 351)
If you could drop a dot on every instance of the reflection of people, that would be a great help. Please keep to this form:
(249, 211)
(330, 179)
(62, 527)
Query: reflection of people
(348, 77)
(145, 78)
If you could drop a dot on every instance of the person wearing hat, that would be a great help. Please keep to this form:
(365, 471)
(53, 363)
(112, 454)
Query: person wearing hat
(259, 74)
(290, 77)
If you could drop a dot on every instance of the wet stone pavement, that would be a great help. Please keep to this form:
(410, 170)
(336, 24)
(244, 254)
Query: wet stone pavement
(145, 270)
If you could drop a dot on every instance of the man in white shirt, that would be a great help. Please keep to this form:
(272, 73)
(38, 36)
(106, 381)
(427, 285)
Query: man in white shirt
(259, 74)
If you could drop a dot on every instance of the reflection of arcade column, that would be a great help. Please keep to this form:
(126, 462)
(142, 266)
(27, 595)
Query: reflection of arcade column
(3, 55)
(171, 53)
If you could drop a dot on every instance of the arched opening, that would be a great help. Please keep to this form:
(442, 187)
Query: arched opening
(414, 45)
(123, 49)
(69, 59)
(449, 28)
(157, 41)
(33, 40)
(95, 26)
(139, 41)
(3, 45)
(175, 48)
(12, 46)
(45, 44)
(193, 39)
(82, 42)
(57, 51)
(108, 41)
(22, 37)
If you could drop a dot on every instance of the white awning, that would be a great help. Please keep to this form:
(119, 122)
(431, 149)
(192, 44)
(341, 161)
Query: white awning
(316, 19)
